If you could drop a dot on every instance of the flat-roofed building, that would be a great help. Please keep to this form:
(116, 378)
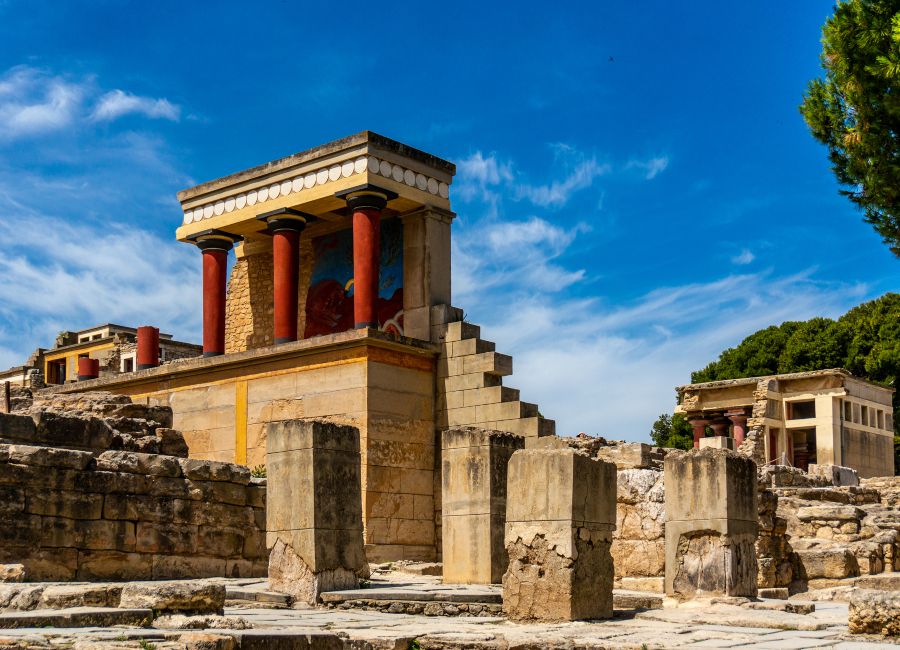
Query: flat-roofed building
(804, 418)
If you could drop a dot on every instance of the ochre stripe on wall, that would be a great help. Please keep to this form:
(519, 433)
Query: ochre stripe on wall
(240, 422)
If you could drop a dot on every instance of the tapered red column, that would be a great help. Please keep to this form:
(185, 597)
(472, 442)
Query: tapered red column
(699, 425)
(147, 347)
(285, 226)
(215, 245)
(366, 203)
(739, 420)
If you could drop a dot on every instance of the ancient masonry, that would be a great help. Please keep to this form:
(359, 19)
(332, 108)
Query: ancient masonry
(334, 364)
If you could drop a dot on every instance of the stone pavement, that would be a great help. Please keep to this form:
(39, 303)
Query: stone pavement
(715, 626)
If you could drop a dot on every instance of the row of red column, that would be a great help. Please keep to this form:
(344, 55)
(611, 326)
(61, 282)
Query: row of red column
(365, 202)
(737, 419)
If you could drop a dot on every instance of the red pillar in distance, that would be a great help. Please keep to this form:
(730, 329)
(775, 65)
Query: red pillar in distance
(285, 225)
(739, 420)
(147, 347)
(88, 368)
(699, 426)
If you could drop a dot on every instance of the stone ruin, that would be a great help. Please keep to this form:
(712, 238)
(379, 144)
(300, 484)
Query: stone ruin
(97, 488)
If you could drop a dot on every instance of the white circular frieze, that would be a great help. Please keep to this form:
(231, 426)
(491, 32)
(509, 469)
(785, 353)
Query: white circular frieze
(229, 204)
(219, 208)
(208, 210)
(334, 172)
(240, 201)
(189, 216)
(385, 168)
(347, 169)
(285, 188)
(297, 184)
(251, 197)
(433, 185)
(309, 180)
(421, 181)
(397, 173)
(274, 191)
(321, 177)
(262, 194)
(443, 190)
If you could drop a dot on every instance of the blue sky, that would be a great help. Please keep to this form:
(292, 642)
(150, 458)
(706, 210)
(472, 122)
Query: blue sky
(636, 189)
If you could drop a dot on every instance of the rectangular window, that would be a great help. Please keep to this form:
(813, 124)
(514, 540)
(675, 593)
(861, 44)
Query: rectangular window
(801, 410)
(864, 412)
(881, 419)
(128, 365)
(848, 411)
(856, 413)
(96, 336)
(889, 421)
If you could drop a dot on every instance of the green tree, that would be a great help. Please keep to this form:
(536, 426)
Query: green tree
(672, 431)
(854, 110)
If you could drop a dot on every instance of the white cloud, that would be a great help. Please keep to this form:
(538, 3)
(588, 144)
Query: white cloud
(57, 274)
(652, 167)
(33, 102)
(479, 176)
(744, 257)
(557, 193)
(117, 103)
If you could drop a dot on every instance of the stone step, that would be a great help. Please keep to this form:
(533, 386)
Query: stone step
(492, 363)
(626, 599)
(489, 395)
(468, 347)
(77, 617)
(461, 330)
(234, 595)
(505, 411)
(470, 381)
(528, 427)
(388, 594)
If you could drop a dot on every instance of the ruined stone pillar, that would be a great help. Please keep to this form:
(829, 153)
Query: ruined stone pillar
(473, 502)
(699, 426)
(313, 508)
(560, 514)
(366, 203)
(88, 368)
(711, 523)
(147, 347)
(215, 245)
(739, 421)
(285, 225)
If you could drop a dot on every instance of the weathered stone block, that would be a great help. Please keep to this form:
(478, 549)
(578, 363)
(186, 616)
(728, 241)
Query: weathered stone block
(559, 521)
(473, 474)
(717, 442)
(631, 455)
(711, 523)
(314, 507)
(177, 596)
(112, 565)
(49, 457)
(875, 612)
(208, 470)
(136, 463)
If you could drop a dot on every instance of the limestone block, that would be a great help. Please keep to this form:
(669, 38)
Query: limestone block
(717, 442)
(711, 523)
(473, 495)
(875, 612)
(12, 572)
(559, 520)
(835, 474)
(827, 563)
(112, 565)
(631, 455)
(49, 457)
(135, 463)
(314, 507)
(207, 470)
(175, 596)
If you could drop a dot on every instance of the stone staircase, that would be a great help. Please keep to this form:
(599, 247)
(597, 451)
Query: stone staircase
(470, 390)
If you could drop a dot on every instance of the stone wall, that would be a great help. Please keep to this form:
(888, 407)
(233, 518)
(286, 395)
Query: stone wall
(72, 508)
(249, 304)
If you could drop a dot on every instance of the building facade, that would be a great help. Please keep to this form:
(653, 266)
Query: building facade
(817, 417)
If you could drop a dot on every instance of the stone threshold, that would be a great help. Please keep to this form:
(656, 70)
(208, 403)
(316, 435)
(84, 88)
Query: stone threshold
(77, 617)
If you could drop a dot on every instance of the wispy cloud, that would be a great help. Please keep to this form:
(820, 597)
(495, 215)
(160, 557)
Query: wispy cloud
(745, 257)
(558, 192)
(34, 102)
(652, 167)
(593, 364)
(117, 103)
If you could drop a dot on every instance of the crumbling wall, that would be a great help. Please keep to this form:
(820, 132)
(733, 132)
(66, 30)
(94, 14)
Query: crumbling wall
(72, 507)
(249, 304)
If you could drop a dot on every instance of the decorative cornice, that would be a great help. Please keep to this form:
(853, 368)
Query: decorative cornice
(322, 176)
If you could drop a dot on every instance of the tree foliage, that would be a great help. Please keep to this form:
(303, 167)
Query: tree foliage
(854, 110)
(865, 341)
(672, 431)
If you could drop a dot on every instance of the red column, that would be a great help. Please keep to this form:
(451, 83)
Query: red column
(366, 265)
(215, 245)
(147, 347)
(699, 426)
(739, 420)
(88, 368)
(285, 226)
(366, 203)
(286, 264)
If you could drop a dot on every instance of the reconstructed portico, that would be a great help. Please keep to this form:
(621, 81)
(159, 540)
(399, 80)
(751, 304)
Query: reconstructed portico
(338, 306)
